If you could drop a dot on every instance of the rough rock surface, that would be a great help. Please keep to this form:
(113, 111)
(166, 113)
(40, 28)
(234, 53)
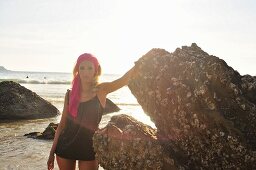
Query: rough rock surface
(249, 87)
(47, 134)
(17, 102)
(110, 107)
(203, 109)
(128, 144)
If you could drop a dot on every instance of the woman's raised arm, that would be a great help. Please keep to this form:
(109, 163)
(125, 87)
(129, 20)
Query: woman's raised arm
(109, 87)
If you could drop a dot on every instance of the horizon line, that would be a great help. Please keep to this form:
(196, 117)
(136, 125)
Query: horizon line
(7, 70)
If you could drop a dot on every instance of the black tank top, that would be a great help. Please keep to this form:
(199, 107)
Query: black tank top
(75, 141)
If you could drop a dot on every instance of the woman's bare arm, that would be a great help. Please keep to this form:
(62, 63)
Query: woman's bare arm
(109, 87)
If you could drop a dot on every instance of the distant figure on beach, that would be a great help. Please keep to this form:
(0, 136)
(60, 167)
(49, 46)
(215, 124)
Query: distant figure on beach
(27, 77)
(44, 77)
(82, 112)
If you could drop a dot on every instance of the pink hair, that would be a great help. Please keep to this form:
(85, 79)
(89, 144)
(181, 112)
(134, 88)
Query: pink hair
(74, 96)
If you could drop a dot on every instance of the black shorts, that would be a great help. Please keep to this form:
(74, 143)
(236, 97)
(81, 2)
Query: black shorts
(78, 148)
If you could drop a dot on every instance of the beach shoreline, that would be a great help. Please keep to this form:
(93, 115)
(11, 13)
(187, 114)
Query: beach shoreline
(20, 152)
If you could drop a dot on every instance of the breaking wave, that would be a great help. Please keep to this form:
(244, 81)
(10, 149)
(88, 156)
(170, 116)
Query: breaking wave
(36, 81)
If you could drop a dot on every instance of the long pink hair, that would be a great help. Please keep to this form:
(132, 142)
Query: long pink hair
(74, 96)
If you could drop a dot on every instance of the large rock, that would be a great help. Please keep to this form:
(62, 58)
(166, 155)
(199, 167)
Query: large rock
(17, 102)
(128, 144)
(204, 110)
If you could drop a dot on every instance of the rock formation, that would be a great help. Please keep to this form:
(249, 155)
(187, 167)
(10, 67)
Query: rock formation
(110, 107)
(2, 69)
(128, 144)
(17, 102)
(249, 87)
(203, 109)
(47, 134)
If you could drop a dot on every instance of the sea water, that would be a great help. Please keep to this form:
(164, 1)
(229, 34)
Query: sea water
(20, 152)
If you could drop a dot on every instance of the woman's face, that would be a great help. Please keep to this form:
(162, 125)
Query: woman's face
(86, 71)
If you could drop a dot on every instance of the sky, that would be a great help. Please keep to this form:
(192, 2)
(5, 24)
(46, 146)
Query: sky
(49, 35)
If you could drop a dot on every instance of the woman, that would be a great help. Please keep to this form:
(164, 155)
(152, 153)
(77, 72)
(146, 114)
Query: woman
(82, 112)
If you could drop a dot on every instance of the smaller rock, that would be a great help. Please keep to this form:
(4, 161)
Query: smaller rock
(126, 143)
(110, 107)
(47, 134)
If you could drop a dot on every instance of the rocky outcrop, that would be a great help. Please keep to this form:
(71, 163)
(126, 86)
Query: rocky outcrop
(47, 134)
(128, 144)
(110, 107)
(17, 102)
(3, 69)
(203, 109)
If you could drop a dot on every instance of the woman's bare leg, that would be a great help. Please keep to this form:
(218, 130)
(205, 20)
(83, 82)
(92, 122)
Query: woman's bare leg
(66, 164)
(88, 165)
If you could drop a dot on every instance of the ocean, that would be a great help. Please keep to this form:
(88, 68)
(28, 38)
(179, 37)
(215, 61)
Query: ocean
(20, 152)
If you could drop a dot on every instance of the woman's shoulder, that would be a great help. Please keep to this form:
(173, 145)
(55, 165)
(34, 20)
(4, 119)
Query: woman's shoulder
(102, 85)
(101, 88)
